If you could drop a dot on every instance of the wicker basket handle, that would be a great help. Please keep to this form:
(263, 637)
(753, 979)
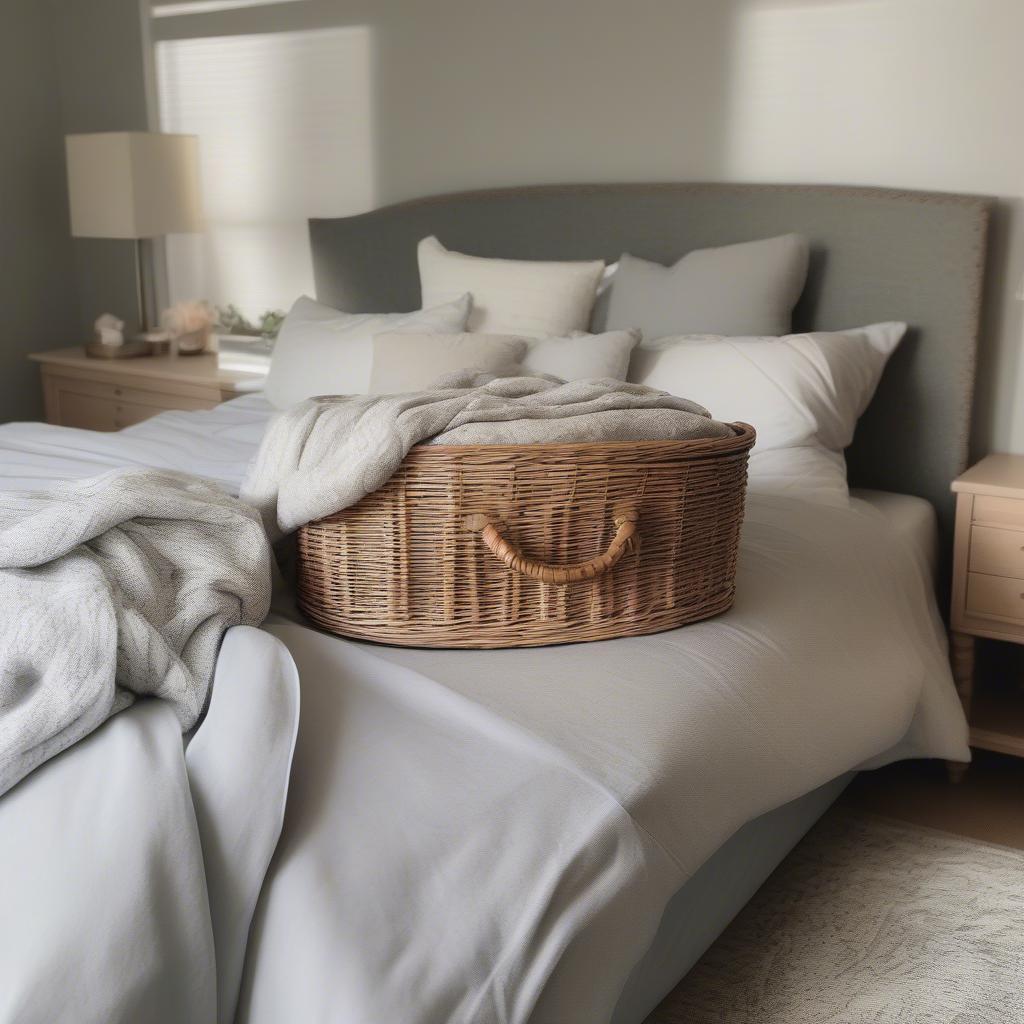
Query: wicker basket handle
(558, 574)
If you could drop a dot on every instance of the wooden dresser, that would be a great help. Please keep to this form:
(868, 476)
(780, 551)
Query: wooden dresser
(108, 394)
(988, 594)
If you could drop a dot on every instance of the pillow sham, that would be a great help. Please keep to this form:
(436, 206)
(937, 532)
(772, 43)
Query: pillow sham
(582, 356)
(802, 393)
(744, 289)
(412, 362)
(322, 351)
(521, 297)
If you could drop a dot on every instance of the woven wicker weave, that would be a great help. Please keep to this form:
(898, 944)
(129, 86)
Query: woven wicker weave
(506, 546)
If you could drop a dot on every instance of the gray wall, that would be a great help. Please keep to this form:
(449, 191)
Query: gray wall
(35, 250)
(65, 66)
(102, 84)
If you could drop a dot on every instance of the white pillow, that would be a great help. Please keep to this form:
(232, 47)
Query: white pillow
(802, 393)
(322, 351)
(412, 362)
(521, 297)
(582, 356)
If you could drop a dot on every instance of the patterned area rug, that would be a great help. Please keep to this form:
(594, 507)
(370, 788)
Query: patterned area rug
(869, 922)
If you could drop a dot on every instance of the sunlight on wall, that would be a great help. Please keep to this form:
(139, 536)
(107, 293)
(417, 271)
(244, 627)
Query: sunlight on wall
(285, 125)
(806, 84)
(870, 91)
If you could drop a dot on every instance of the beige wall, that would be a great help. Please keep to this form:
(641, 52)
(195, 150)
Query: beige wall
(478, 92)
(475, 93)
(454, 94)
(923, 94)
(915, 93)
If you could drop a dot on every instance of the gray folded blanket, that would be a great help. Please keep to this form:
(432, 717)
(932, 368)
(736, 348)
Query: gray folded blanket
(325, 454)
(112, 587)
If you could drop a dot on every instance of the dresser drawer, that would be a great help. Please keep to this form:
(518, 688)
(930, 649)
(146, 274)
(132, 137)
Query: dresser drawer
(998, 511)
(995, 597)
(997, 552)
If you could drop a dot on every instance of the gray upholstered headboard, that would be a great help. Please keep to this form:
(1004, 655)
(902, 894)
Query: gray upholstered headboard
(877, 254)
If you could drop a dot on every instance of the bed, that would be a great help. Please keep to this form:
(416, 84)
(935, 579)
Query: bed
(557, 835)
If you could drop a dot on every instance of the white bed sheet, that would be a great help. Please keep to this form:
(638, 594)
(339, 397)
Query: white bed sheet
(492, 836)
(130, 868)
(616, 768)
(217, 443)
(913, 519)
(220, 443)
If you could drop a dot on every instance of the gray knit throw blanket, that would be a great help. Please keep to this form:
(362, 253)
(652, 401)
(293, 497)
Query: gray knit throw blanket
(114, 587)
(324, 454)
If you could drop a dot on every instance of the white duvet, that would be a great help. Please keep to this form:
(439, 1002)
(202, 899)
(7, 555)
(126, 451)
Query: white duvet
(492, 836)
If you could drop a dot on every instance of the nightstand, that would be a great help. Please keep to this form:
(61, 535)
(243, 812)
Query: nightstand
(988, 593)
(108, 394)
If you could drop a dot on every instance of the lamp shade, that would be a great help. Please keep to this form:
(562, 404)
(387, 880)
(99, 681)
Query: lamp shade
(133, 184)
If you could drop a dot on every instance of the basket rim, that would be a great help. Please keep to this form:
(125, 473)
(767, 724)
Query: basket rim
(743, 439)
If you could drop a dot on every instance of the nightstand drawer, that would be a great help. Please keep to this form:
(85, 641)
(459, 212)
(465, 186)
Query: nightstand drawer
(127, 414)
(988, 593)
(87, 412)
(109, 394)
(997, 552)
(110, 405)
(998, 511)
(995, 597)
(117, 392)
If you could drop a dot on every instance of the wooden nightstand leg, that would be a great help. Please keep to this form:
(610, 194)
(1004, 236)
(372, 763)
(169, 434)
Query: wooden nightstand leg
(961, 658)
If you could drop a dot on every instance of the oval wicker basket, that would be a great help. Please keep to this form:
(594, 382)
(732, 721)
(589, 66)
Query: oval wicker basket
(507, 546)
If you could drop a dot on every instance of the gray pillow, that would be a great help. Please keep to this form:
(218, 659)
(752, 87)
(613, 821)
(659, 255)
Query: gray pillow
(582, 356)
(404, 363)
(748, 289)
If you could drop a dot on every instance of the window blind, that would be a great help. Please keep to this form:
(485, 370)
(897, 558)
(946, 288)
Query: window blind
(285, 126)
(178, 8)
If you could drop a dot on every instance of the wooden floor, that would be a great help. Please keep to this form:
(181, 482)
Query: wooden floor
(987, 805)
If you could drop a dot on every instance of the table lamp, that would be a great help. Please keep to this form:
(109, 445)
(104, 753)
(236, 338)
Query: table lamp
(133, 185)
